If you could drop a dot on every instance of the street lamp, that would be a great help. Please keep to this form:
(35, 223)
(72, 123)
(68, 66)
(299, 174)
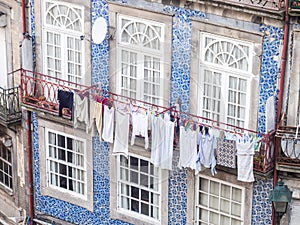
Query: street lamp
(280, 196)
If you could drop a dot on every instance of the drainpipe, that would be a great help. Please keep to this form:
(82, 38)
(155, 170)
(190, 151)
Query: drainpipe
(28, 123)
(280, 95)
(29, 166)
(24, 18)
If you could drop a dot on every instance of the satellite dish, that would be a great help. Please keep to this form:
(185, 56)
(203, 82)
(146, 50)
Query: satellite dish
(99, 30)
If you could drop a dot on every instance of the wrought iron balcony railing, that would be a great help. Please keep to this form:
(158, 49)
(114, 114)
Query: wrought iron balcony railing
(262, 4)
(39, 92)
(288, 146)
(10, 110)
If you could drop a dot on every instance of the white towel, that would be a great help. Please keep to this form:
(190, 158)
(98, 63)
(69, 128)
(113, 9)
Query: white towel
(245, 152)
(167, 151)
(121, 133)
(108, 124)
(157, 134)
(81, 111)
(188, 148)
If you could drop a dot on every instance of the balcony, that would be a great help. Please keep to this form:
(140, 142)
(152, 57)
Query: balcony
(10, 111)
(288, 149)
(264, 158)
(275, 5)
(294, 7)
(39, 92)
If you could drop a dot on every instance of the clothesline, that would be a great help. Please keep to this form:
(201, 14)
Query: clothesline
(178, 114)
(94, 91)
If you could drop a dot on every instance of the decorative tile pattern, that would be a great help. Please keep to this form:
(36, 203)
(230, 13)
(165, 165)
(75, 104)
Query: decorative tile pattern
(181, 54)
(269, 70)
(100, 52)
(177, 195)
(261, 206)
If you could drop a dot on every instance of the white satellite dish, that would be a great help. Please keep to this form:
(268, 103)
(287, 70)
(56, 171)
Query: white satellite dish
(99, 30)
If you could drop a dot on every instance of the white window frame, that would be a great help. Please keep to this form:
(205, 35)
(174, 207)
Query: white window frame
(221, 182)
(67, 164)
(225, 72)
(157, 192)
(65, 34)
(9, 165)
(141, 53)
(85, 201)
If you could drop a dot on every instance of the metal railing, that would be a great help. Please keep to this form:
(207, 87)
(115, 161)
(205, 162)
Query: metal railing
(264, 158)
(263, 4)
(39, 91)
(10, 110)
(288, 148)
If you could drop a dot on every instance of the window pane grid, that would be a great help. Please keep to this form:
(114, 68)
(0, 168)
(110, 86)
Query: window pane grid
(63, 48)
(139, 188)
(65, 159)
(227, 63)
(236, 101)
(140, 63)
(6, 176)
(212, 95)
(218, 202)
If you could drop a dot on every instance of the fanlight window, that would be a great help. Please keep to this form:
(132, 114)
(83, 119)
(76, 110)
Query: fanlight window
(227, 53)
(64, 17)
(141, 34)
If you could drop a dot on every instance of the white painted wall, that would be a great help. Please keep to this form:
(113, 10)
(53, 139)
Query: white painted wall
(3, 59)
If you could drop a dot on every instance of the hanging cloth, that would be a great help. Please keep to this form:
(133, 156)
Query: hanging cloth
(245, 152)
(139, 127)
(206, 154)
(108, 123)
(168, 139)
(81, 111)
(226, 153)
(96, 116)
(188, 148)
(65, 99)
(157, 134)
(121, 133)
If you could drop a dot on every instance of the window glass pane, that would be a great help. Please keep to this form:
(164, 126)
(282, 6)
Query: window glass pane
(236, 209)
(66, 163)
(140, 191)
(215, 204)
(236, 194)
(214, 188)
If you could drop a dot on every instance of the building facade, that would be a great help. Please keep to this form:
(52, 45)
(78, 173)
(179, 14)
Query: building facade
(219, 61)
(12, 151)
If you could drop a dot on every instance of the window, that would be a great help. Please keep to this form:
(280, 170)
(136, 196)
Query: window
(140, 59)
(6, 176)
(225, 72)
(63, 49)
(139, 187)
(218, 202)
(66, 167)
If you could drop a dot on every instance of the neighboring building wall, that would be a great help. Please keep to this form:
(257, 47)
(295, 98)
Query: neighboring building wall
(12, 184)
